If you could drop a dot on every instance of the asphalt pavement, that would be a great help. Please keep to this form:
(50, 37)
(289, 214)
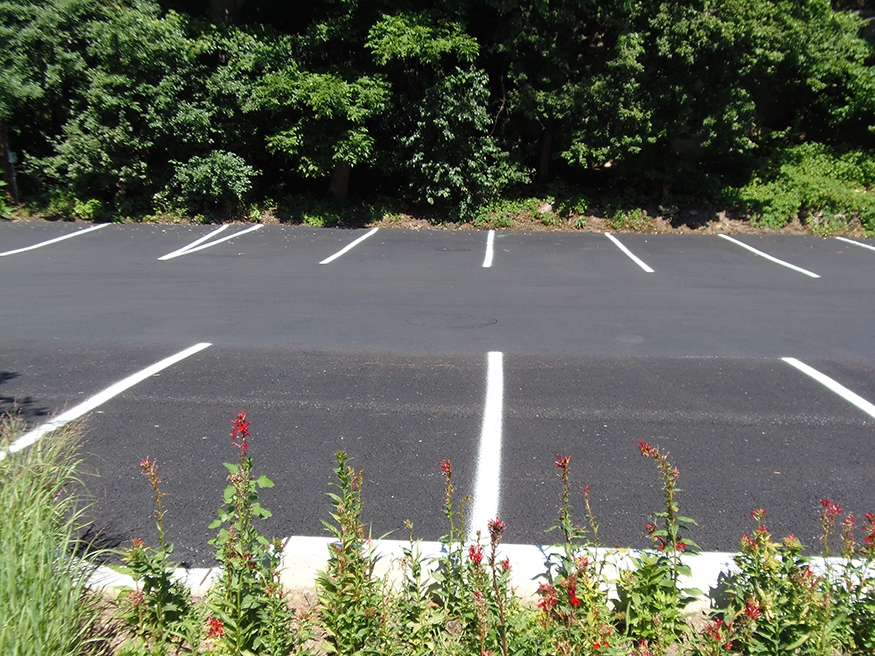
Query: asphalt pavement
(384, 352)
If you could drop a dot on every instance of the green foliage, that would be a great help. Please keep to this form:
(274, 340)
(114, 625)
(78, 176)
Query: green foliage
(160, 608)
(350, 599)
(221, 179)
(248, 612)
(634, 219)
(824, 185)
(451, 161)
(651, 599)
(410, 37)
(45, 605)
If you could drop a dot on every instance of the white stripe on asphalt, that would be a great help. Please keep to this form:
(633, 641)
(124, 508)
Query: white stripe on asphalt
(98, 399)
(194, 247)
(490, 247)
(833, 386)
(55, 240)
(349, 247)
(770, 257)
(488, 481)
(628, 252)
(856, 243)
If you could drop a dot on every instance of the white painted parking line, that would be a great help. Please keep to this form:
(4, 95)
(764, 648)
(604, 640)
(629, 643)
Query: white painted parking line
(198, 245)
(488, 481)
(628, 252)
(856, 243)
(490, 247)
(54, 241)
(770, 257)
(833, 386)
(98, 399)
(349, 247)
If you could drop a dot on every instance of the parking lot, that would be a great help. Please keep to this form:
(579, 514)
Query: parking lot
(495, 350)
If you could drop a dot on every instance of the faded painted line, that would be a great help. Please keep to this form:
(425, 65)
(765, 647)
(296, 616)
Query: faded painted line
(54, 241)
(628, 252)
(98, 399)
(349, 247)
(833, 386)
(488, 482)
(490, 248)
(198, 244)
(856, 243)
(770, 257)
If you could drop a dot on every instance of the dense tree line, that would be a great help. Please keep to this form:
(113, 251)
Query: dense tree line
(130, 107)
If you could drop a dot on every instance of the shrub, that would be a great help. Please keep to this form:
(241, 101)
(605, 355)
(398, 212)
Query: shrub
(219, 180)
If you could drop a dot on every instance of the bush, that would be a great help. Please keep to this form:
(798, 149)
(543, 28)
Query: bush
(219, 180)
(811, 181)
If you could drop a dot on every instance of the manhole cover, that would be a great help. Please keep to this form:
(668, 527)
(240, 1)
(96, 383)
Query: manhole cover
(451, 321)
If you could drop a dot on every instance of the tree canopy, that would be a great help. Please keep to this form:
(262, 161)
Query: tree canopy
(195, 106)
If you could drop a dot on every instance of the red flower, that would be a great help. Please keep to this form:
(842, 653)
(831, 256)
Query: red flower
(505, 564)
(240, 425)
(216, 627)
(475, 554)
(831, 510)
(446, 467)
(647, 450)
(496, 530)
(241, 429)
(752, 609)
(681, 546)
(562, 462)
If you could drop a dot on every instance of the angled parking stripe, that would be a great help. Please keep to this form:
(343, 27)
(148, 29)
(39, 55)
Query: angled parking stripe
(632, 257)
(349, 247)
(770, 257)
(98, 399)
(53, 241)
(198, 245)
(856, 243)
(833, 386)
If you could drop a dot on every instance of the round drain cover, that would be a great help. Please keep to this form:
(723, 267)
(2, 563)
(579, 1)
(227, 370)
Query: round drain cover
(450, 321)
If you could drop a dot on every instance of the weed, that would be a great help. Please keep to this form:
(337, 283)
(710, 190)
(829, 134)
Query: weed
(159, 608)
(634, 219)
(247, 609)
(652, 601)
(350, 600)
(45, 605)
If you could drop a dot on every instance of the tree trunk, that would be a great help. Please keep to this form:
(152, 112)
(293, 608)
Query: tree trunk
(544, 163)
(8, 166)
(226, 11)
(340, 180)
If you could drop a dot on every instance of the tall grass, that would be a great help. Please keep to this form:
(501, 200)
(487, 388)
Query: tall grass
(45, 608)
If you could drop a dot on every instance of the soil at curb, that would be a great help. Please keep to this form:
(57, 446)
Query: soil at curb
(686, 221)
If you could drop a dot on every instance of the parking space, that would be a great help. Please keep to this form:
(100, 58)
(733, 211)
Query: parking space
(383, 352)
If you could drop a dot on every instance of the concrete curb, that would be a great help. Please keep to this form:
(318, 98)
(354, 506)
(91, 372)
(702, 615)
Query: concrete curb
(304, 557)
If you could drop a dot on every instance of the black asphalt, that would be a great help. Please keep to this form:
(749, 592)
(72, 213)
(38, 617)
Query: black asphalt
(382, 353)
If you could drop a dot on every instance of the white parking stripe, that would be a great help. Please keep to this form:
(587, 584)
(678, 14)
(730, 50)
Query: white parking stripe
(856, 243)
(349, 247)
(101, 397)
(54, 241)
(488, 481)
(770, 257)
(490, 247)
(628, 252)
(194, 246)
(833, 386)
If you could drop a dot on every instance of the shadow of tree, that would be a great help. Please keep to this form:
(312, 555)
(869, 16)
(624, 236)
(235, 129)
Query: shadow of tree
(25, 407)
